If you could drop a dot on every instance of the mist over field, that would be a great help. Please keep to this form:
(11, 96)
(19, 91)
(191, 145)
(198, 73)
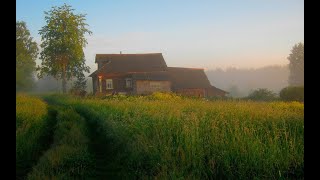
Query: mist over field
(240, 82)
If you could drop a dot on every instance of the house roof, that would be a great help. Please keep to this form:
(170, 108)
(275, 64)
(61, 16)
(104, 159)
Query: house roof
(93, 73)
(218, 90)
(119, 63)
(184, 78)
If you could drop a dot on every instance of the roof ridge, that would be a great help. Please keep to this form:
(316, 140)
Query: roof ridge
(104, 57)
(187, 68)
(130, 54)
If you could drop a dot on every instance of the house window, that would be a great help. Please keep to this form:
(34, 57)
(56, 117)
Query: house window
(109, 84)
(128, 82)
(155, 85)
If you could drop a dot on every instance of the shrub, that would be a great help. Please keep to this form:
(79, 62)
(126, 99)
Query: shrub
(164, 96)
(292, 93)
(78, 92)
(262, 95)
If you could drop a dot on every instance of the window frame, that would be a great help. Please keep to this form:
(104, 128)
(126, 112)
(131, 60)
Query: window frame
(109, 82)
(155, 85)
(128, 80)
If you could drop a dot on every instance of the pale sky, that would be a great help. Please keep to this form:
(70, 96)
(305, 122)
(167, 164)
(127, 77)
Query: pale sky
(205, 34)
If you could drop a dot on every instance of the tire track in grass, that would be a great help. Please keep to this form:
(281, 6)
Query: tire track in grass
(105, 154)
(107, 163)
(45, 141)
(68, 157)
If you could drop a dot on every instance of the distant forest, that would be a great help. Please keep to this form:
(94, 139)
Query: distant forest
(239, 82)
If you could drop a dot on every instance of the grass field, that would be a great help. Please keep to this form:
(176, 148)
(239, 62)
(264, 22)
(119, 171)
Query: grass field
(33, 127)
(165, 136)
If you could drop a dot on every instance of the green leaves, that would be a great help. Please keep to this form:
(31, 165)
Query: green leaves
(262, 94)
(296, 65)
(63, 40)
(26, 54)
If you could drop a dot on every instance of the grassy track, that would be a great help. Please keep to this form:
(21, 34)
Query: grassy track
(102, 148)
(105, 164)
(68, 157)
(35, 123)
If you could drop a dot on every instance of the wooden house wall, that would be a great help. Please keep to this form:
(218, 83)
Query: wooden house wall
(146, 87)
(118, 82)
(197, 92)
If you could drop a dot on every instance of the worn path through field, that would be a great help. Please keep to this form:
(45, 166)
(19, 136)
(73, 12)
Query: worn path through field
(102, 150)
(105, 165)
(45, 142)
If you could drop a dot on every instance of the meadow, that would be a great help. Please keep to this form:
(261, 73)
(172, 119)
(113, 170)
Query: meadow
(165, 136)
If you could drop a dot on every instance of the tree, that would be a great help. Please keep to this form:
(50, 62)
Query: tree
(26, 54)
(292, 93)
(63, 40)
(79, 86)
(296, 65)
(262, 94)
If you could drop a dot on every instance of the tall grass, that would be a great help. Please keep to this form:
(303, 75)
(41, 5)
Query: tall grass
(170, 138)
(29, 109)
(68, 157)
(31, 124)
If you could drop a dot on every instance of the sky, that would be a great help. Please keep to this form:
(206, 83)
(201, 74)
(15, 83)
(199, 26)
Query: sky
(205, 34)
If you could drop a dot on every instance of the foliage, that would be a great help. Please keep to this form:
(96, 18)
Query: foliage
(164, 96)
(63, 40)
(79, 86)
(292, 93)
(26, 54)
(262, 94)
(296, 65)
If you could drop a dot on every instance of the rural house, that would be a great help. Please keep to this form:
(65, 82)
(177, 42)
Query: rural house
(147, 73)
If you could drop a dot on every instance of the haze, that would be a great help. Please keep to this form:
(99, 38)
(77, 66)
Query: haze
(208, 34)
